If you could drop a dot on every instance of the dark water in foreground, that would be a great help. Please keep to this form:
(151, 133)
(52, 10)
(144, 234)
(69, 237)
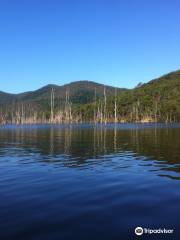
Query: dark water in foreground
(81, 182)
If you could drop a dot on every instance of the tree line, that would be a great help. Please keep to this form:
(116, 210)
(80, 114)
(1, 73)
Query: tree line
(131, 106)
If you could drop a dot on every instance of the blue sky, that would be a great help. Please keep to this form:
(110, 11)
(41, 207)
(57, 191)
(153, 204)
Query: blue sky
(113, 42)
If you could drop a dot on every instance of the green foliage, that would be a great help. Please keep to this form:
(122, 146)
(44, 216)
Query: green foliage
(158, 100)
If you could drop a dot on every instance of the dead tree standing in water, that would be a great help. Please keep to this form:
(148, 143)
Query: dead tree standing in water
(115, 107)
(105, 106)
(52, 105)
(95, 114)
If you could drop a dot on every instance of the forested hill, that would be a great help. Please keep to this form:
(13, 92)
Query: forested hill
(155, 101)
(79, 92)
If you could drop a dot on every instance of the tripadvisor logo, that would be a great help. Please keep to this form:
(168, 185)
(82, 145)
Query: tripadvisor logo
(139, 231)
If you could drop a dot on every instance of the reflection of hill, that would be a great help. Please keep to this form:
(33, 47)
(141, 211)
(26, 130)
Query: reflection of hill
(77, 145)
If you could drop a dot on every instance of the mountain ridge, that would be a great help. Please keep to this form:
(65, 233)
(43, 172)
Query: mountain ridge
(51, 85)
(155, 101)
(176, 72)
(74, 88)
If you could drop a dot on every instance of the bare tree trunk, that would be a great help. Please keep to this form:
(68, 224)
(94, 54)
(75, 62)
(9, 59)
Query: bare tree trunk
(95, 118)
(52, 105)
(115, 107)
(105, 106)
(101, 112)
(67, 108)
(22, 114)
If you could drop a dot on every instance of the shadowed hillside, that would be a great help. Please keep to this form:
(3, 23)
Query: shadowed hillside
(79, 92)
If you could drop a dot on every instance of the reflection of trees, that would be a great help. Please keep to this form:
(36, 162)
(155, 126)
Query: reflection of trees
(115, 138)
(67, 140)
(51, 141)
(83, 144)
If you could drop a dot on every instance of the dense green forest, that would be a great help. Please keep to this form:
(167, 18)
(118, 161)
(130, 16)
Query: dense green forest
(87, 101)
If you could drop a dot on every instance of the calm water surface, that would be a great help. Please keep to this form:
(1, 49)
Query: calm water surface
(85, 182)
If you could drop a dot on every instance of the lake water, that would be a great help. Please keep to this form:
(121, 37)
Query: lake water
(86, 182)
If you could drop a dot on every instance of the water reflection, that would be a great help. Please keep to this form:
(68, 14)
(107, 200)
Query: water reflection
(157, 149)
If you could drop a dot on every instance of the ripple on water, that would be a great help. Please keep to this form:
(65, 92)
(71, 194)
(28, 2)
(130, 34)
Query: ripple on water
(89, 182)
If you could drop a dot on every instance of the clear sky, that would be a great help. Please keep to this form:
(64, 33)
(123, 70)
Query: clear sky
(115, 42)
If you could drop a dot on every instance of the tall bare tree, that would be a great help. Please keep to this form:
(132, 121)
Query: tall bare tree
(115, 106)
(105, 106)
(52, 105)
(95, 114)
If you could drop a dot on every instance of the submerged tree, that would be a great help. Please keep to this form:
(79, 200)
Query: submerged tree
(52, 105)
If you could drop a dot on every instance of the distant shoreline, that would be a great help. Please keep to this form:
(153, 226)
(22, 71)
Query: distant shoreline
(87, 101)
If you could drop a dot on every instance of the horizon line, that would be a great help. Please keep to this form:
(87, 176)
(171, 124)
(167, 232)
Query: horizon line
(93, 81)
